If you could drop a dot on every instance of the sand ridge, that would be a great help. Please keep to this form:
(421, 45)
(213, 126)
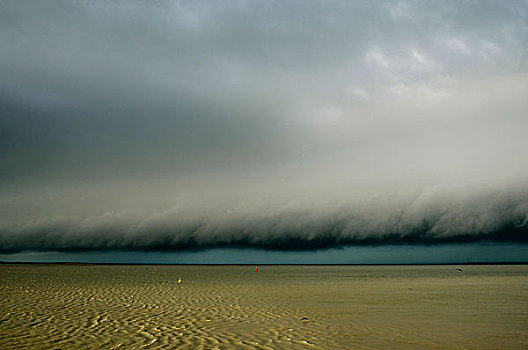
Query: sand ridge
(278, 307)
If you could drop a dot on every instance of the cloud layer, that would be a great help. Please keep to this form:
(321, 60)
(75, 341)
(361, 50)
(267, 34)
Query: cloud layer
(427, 219)
(284, 125)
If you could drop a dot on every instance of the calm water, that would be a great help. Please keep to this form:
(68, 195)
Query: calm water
(279, 307)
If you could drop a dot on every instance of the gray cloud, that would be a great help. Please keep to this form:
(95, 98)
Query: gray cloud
(428, 218)
(161, 125)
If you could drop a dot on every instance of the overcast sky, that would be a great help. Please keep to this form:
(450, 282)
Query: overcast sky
(289, 125)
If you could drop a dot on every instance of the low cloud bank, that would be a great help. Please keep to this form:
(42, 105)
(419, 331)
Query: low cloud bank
(432, 218)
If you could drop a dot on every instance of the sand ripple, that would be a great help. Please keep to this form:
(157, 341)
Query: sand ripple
(232, 307)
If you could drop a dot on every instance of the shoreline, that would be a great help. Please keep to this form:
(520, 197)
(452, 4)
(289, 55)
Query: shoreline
(266, 264)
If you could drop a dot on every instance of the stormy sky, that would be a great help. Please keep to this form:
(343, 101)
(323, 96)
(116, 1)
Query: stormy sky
(287, 126)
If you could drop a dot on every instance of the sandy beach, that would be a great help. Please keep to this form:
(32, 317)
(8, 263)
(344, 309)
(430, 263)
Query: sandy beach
(278, 307)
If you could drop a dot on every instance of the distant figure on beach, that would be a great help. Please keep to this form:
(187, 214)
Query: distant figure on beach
(256, 269)
(179, 280)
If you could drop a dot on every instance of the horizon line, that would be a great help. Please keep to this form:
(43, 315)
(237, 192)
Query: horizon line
(263, 264)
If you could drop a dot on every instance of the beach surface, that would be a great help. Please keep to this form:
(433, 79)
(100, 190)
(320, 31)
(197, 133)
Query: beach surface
(279, 307)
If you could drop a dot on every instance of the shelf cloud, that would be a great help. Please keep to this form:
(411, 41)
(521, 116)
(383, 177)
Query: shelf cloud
(426, 219)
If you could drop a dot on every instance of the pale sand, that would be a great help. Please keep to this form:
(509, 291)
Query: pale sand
(279, 307)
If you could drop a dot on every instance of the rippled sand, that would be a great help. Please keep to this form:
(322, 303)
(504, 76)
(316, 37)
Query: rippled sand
(279, 307)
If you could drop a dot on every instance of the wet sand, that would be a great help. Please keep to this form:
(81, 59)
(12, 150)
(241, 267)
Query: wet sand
(279, 307)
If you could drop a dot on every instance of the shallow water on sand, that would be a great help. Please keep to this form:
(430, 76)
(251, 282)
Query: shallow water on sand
(278, 307)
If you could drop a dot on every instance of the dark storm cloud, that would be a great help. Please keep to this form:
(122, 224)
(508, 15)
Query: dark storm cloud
(171, 124)
(426, 219)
